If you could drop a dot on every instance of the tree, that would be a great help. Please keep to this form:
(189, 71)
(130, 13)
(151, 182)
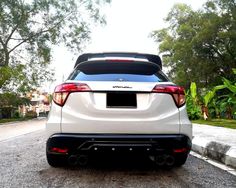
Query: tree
(29, 29)
(13, 100)
(199, 46)
(9, 103)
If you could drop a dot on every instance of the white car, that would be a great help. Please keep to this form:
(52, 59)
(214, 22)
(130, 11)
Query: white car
(118, 103)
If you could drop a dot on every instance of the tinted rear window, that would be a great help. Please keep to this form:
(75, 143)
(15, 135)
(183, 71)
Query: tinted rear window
(78, 75)
(118, 71)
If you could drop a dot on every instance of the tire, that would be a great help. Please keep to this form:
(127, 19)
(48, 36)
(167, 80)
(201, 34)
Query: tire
(180, 160)
(56, 160)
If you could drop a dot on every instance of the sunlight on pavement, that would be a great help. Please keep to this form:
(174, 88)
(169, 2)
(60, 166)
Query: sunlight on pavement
(11, 130)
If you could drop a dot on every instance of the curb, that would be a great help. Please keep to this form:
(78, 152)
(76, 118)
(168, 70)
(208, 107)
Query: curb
(217, 151)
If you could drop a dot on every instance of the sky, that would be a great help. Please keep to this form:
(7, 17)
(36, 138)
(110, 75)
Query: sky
(128, 28)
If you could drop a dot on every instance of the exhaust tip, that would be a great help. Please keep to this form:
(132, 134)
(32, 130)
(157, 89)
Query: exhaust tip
(170, 160)
(160, 160)
(82, 160)
(73, 160)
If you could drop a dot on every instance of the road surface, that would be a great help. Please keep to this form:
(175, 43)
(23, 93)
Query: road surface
(23, 164)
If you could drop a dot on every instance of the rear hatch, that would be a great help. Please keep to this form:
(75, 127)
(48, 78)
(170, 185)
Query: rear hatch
(120, 97)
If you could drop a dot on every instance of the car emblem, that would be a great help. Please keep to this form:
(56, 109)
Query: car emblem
(125, 87)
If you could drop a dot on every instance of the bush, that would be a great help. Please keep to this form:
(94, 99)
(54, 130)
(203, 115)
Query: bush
(31, 114)
(193, 108)
(194, 112)
(16, 114)
(6, 112)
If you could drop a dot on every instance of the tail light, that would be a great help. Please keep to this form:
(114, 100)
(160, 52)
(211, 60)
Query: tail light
(177, 93)
(181, 150)
(59, 150)
(62, 91)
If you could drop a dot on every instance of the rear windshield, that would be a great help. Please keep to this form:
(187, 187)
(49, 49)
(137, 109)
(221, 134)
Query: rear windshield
(129, 72)
(80, 76)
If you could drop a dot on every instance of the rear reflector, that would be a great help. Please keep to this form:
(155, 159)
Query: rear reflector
(62, 91)
(59, 150)
(177, 93)
(182, 150)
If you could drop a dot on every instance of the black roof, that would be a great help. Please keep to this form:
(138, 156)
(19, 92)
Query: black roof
(150, 57)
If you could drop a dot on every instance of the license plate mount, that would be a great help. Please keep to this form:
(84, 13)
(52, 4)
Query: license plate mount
(121, 100)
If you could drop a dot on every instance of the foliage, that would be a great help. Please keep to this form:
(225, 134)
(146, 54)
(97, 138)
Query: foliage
(193, 109)
(31, 114)
(9, 103)
(228, 99)
(12, 100)
(28, 31)
(208, 97)
(13, 120)
(219, 100)
(16, 114)
(199, 46)
(218, 122)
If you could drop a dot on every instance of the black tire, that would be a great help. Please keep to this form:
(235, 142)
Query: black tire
(56, 160)
(180, 160)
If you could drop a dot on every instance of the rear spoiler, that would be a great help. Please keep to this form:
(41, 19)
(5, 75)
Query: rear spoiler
(150, 57)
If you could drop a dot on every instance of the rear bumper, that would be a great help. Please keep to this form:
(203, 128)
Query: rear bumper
(143, 143)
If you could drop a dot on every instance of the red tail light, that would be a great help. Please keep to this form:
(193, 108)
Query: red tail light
(59, 150)
(177, 93)
(181, 150)
(62, 91)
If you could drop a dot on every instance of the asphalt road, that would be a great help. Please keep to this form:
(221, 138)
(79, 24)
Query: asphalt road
(23, 164)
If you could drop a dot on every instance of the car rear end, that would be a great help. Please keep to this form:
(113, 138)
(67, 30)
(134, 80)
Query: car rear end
(118, 105)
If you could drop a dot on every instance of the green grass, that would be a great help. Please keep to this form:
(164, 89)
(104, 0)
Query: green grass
(13, 120)
(218, 122)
